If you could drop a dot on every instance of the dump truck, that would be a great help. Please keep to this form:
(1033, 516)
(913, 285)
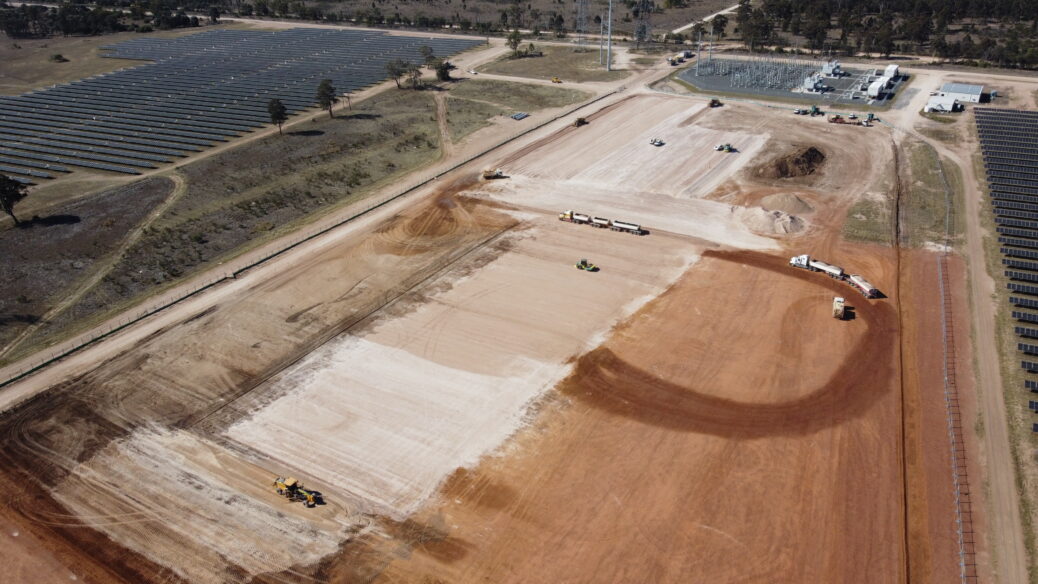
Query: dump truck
(838, 308)
(626, 227)
(293, 490)
(587, 266)
(600, 222)
(556, 80)
(804, 261)
(492, 173)
(573, 217)
(862, 285)
(715, 103)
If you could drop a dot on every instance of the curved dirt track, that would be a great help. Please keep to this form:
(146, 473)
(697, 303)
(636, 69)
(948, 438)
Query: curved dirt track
(605, 380)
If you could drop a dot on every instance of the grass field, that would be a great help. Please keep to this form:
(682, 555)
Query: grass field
(465, 116)
(924, 206)
(518, 96)
(557, 61)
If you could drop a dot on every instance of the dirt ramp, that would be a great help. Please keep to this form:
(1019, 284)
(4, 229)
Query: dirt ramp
(768, 222)
(803, 161)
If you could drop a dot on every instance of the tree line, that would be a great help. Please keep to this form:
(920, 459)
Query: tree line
(1002, 32)
(35, 21)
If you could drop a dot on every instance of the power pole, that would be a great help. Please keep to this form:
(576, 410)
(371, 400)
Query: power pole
(601, 41)
(609, 37)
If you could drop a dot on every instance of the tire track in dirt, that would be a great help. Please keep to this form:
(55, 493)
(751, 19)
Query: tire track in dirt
(603, 379)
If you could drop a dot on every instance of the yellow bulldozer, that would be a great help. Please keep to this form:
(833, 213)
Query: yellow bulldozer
(293, 490)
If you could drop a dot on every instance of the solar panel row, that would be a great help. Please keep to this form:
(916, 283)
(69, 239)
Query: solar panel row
(1008, 144)
(200, 89)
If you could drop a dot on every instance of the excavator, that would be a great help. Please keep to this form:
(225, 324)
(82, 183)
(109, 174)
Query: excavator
(293, 490)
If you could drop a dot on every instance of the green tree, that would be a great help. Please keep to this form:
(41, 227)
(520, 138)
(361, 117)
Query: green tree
(443, 71)
(414, 75)
(214, 14)
(396, 69)
(718, 25)
(11, 191)
(278, 113)
(427, 54)
(515, 38)
(326, 96)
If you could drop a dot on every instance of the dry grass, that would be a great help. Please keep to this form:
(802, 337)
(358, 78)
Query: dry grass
(518, 96)
(557, 61)
(465, 116)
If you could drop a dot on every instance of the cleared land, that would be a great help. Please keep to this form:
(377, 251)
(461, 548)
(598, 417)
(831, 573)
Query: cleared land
(473, 408)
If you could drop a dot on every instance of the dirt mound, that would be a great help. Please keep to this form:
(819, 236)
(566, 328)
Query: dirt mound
(767, 222)
(787, 202)
(801, 162)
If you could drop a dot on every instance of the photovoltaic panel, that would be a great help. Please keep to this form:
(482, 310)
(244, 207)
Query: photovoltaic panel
(1025, 316)
(1024, 276)
(1027, 348)
(1022, 288)
(1029, 366)
(1020, 264)
(1020, 253)
(1023, 302)
(1031, 385)
(1018, 242)
(1030, 333)
(1017, 232)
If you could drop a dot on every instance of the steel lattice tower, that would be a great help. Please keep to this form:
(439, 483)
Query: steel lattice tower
(581, 28)
(643, 26)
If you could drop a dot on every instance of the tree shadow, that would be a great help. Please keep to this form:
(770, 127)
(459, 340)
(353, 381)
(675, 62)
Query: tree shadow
(6, 319)
(50, 221)
(358, 116)
(307, 133)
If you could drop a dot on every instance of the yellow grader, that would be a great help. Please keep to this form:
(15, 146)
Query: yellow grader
(293, 490)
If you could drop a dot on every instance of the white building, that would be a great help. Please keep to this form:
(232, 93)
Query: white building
(962, 92)
(877, 88)
(891, 71)
(942, 103)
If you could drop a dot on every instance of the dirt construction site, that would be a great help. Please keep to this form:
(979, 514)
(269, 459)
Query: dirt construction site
(470, 407)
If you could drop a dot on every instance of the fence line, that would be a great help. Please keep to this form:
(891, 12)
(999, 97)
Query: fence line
(953, 414)
(121, 322)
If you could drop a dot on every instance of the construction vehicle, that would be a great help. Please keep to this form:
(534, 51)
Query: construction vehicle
(556, 80)
(715, 102)
(586, 266)
(800, 112)
(656, 142)
(574, 217)
(600, 222)
(837, 119)
(579, 122)
(804, 261)
(724, 147)
(626, 227)
(492, 173)
(838, 308)
(815, 111)
(861, 285)
(293, 490)
(852, 117)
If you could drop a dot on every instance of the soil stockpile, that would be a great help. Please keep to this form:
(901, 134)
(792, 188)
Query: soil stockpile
(786, 202)
(801, 162)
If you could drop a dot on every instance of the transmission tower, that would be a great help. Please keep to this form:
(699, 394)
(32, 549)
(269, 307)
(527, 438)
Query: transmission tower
(582, 6)
(643, 26)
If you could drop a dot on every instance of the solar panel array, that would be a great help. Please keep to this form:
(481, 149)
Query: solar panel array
(200, 90)
(1009, 145)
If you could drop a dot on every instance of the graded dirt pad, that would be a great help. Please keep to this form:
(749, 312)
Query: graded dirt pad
(759, 446)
